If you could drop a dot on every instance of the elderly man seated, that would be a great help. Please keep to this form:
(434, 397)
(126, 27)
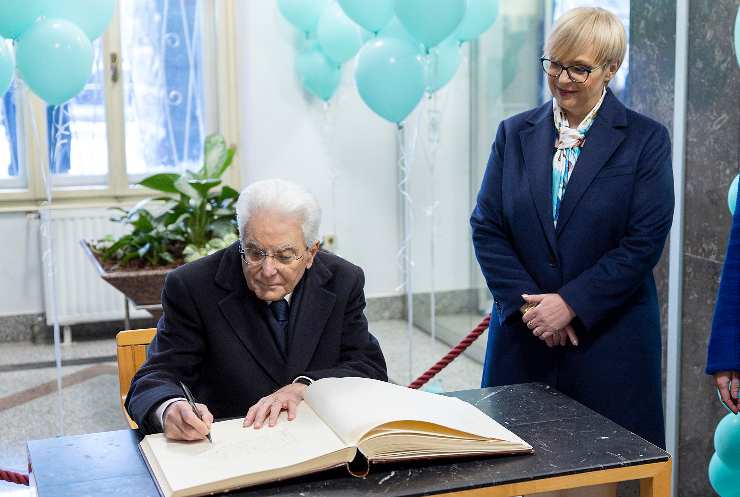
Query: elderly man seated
(249, 327)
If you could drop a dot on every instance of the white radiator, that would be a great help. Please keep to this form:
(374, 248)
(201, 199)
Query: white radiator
(82, 295)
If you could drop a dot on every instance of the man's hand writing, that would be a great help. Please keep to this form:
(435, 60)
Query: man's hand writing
(181, 423)
(269, 408)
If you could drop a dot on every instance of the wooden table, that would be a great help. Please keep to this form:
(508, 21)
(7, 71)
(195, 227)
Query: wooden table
(574, 447)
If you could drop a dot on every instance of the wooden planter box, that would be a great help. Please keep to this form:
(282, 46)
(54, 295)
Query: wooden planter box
(143, 287)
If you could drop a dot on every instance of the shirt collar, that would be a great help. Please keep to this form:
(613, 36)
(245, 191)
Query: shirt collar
(287, 298)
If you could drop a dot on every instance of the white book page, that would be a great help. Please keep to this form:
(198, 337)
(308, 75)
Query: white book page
(354, 406)
(238, 451)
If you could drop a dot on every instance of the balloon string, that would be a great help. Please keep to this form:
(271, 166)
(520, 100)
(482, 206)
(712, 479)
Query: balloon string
(47, 237)
(434, 117)
(407, 150)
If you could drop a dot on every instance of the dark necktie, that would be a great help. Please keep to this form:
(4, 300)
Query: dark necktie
(281, 311)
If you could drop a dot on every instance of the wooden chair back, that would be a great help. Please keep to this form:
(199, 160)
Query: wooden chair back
(131, 348)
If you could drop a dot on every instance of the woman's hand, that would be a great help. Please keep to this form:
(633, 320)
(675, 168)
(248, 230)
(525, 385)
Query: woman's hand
(551, 315)
(561, 337)
(728, 384)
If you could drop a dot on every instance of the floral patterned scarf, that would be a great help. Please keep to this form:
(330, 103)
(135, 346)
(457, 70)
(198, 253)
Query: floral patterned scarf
(568, 145)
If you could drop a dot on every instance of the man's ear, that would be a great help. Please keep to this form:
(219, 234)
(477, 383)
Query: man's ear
(312, 251)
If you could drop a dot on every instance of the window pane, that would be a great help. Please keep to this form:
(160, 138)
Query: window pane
(163, 85)
(78, 145)
(9, 162)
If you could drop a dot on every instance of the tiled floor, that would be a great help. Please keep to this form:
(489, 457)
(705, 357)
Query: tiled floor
(29, 400)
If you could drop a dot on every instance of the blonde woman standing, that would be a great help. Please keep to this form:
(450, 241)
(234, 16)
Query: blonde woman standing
(572, 215)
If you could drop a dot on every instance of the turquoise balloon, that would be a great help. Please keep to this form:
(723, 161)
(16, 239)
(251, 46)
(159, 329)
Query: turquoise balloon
(737, 35)
(372, 15)
(394, 29)
(732, 194)
(480, 15)
(442, 64)
(390, 77)
(303, 14)
(430, 21)
(17, 15)
(338, 36)
(318, 74)
(91, 16)
(7, 66)
(54, 58)
(724, 479)
(727, 441)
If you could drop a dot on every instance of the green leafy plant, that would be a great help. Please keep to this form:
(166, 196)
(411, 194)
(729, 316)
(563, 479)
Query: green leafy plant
(195, 217)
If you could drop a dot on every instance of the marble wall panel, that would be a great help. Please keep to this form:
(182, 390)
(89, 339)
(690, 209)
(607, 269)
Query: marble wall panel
(713, 133)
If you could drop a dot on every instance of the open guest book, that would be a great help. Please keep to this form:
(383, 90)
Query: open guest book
(342, 422)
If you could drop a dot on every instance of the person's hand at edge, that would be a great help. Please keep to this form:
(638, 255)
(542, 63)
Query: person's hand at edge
(728, 385)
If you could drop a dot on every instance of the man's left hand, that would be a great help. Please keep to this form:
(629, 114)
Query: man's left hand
(551, 313)
(269, 408)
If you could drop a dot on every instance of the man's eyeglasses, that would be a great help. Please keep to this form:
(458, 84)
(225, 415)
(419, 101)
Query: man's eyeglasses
(256, 256)
(577, 73)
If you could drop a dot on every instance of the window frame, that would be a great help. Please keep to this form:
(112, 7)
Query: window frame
(221, 114)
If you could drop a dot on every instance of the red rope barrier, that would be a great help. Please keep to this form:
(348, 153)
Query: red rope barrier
(453, 353)
(13, 477)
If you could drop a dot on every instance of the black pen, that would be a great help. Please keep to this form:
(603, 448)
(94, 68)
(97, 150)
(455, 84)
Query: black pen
(191, 401)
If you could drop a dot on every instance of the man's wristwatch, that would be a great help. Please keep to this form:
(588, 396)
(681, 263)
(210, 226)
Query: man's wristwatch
(305, 380)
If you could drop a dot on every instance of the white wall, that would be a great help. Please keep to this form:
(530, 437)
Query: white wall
(287, 133)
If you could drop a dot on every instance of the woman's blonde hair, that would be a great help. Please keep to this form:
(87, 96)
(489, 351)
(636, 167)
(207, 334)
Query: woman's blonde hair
(584, 27)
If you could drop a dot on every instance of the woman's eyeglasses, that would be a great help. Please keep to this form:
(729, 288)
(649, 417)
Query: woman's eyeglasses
(577, 73)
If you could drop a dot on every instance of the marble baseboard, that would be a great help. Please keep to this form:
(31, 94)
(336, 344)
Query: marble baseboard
(33, 328)
(94, 331)
(19, 328)
(385, 308)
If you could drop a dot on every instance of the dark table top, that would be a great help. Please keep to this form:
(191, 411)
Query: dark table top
(567, 438)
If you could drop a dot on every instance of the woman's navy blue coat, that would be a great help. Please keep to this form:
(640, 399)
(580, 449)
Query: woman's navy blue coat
(614, 218)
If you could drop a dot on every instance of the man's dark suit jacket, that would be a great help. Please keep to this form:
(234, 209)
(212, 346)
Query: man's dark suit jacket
(214, 336)
(614, 218)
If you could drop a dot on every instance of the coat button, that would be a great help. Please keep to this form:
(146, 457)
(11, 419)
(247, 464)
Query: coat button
(552, 262)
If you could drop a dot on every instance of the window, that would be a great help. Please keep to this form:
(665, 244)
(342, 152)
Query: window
(149, 103)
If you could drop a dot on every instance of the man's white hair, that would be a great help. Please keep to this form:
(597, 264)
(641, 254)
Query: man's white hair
(285, 197)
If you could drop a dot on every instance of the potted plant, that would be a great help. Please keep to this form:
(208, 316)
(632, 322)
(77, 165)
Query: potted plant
(194, 217)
